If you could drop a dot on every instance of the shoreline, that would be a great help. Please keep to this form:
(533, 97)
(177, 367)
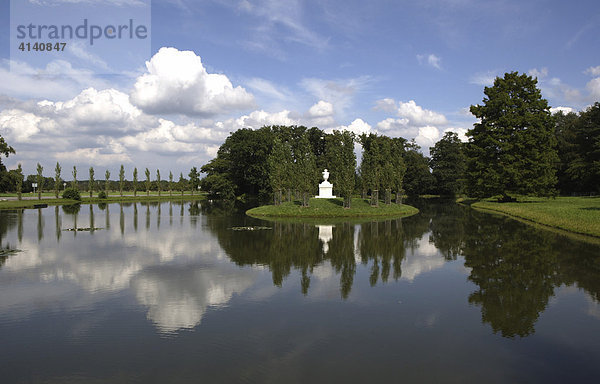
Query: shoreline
(331, 209)
(52, 201)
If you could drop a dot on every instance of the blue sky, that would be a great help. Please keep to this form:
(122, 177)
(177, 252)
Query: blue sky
(400, 68)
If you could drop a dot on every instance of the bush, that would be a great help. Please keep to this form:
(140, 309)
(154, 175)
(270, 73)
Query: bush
(71, 194)
(102, 195)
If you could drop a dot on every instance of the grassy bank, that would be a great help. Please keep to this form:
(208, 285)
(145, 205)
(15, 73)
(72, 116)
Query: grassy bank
(331, 208)
(574, 214)
(14, 204)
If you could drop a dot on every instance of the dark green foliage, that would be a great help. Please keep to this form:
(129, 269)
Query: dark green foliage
(121, 179)
(280, 165)
(579, 151)
(512, 149)
(71, 193)
(418, 179)
(102, 195)
(342, 163)
(448, 165)
(194, 179)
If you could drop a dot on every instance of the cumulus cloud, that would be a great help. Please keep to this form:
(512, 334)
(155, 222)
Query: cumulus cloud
(564, 110)
(176, 82)
(358, 127)
(412, 122)
(321, 114)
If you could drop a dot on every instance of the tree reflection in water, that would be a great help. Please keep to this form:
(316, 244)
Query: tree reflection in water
(516, 267)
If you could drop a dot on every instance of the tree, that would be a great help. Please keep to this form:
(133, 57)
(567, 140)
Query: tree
(370, 167)
(340, 152)
(135, 181)
(194, 179)
(511, 150)
(448, 164)
(579, 150)
(304, 168)
(181, 183)
(91, 182)
(74, 182)
(280, 162)
(57, 179)
(19, 183)
(147, 172)
(40, 180)
(399, 167)
(121, 179)
(106, 177)
(6, 150)
(170, 183)
(158, 181)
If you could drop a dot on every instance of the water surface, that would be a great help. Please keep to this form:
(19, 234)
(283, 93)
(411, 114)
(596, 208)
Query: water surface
(168, 292)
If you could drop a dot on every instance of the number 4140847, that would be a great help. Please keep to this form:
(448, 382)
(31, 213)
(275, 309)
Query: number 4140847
(41, 47)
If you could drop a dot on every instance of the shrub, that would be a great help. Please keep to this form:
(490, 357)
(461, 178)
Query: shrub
(71, 194)
(102, 195)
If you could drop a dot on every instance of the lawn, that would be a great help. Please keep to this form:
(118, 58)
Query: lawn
(330, 208)
(573, 214)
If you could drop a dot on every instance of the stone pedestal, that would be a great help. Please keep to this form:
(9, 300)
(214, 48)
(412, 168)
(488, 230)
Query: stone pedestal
(325, 188)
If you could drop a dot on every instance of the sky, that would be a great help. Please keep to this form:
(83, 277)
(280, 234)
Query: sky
(207, 68)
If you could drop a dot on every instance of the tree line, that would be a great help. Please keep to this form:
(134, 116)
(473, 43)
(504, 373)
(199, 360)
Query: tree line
(14, 181)
(517, 147)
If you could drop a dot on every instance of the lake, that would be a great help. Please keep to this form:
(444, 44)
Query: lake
(177, 292)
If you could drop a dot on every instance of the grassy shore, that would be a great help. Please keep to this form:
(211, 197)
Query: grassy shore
(573, 214)
(14, 204)
(332, 208)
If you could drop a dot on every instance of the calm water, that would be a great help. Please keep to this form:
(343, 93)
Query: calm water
(170, 293)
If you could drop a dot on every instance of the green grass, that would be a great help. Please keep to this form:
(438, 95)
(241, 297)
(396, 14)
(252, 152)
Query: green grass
(331, 208)
(112, 198)
(574, 214)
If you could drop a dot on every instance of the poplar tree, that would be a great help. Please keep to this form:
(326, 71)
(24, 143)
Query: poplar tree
(170, 183)
(19, 181)
(91, 182)
(57, 179)
(74, 182)
(147, 172)
(194, 179)
(121, 179)
(280, 161)
(106, 177)
(135, 181)
(40, 180)
(158, 181)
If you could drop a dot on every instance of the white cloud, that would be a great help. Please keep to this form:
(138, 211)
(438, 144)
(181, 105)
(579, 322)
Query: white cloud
(267, 88)
(484, 78)
(593, 86)
(386, 105)
(431, 60)
(593, 71)
(419, 116)
(358, 127)
(539, 74)
(95, 156)
(321, 114)
(176, 82)
(564, 110)
(340, 93)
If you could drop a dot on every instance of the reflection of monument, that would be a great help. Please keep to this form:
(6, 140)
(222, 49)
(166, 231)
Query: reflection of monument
(325, 234)
(325, 188)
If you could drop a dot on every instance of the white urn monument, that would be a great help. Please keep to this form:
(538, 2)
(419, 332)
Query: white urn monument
(325, 188)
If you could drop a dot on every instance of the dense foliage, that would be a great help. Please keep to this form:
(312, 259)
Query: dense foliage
(511, 150)
(448, 165)
(71, 193)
